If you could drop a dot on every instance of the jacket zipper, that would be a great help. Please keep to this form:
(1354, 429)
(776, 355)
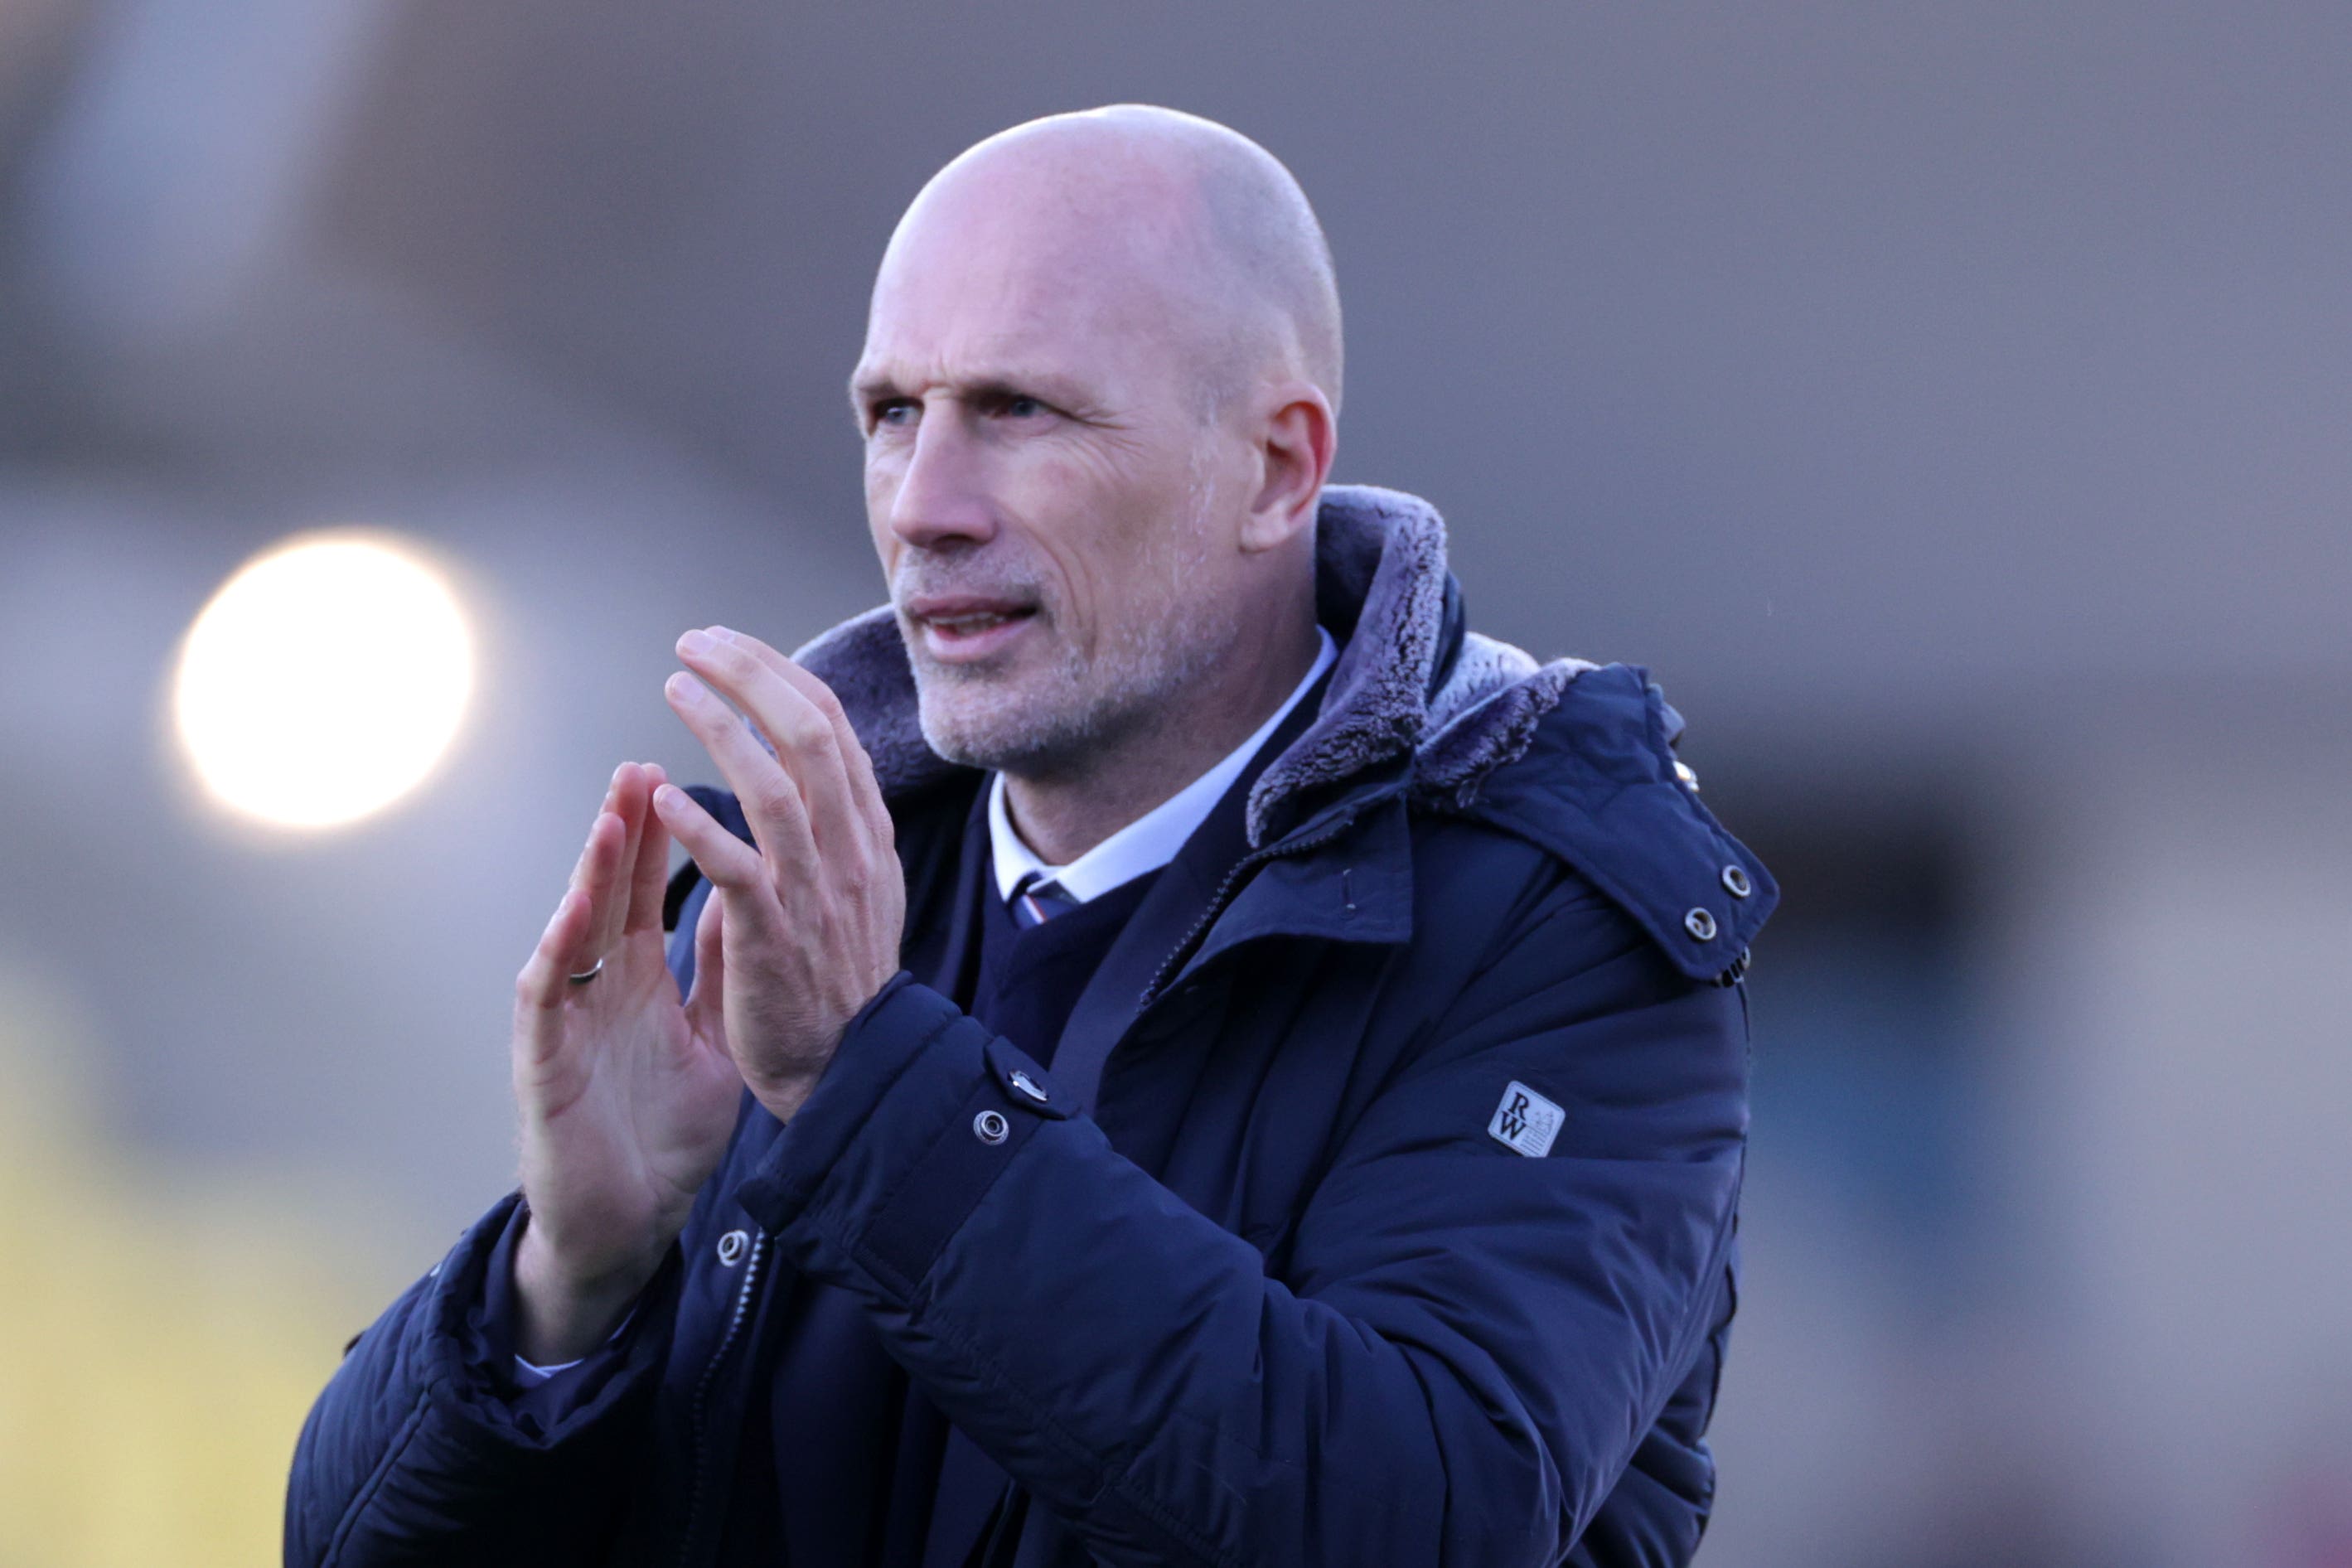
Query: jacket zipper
(1223, 895)
(702, 1392)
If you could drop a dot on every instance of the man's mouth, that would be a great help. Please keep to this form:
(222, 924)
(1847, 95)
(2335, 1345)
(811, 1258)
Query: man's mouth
(960, 628)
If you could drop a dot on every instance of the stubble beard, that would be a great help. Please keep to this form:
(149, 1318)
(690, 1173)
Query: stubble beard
(1077, 711)
(1068, 718)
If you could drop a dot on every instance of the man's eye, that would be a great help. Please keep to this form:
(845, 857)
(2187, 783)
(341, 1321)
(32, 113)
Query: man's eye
(897, 411)
(1022, 407)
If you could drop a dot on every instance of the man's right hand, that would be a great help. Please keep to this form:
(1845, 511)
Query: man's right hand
(627, 1095)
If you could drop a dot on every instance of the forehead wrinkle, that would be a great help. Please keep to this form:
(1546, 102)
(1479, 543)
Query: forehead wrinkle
(1081, 344)
(930, 348)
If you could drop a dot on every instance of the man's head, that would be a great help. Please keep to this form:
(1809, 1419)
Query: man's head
(1099, 393)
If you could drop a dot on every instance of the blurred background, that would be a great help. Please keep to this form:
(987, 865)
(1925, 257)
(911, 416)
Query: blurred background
(1950, 404)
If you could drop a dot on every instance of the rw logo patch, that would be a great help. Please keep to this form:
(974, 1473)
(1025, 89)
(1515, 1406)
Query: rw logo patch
(1526, 1120)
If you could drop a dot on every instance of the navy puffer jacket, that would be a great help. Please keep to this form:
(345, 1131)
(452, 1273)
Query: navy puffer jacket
(1395, 1227)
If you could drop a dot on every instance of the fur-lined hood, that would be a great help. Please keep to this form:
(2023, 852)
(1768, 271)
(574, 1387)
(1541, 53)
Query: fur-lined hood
(1412, 687)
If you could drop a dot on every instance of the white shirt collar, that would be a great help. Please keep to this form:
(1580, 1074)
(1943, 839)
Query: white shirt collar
(1151, 840)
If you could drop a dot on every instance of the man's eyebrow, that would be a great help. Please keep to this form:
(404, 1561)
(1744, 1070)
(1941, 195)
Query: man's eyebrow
(869, 388)
(878, 386)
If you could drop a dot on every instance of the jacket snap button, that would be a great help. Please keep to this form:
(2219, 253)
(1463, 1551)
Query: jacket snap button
(1700, 924)
(1028, 1085)
(1736, 882)
(732, 1246)
(990, 1127)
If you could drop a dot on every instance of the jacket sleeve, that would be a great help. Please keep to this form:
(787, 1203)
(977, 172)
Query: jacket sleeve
(1465, 1344)
(423, 1448)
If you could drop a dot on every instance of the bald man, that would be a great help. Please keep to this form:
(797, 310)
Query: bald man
(1173, 1049)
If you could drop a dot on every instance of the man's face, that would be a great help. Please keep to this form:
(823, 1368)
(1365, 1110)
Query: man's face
(1042, 489)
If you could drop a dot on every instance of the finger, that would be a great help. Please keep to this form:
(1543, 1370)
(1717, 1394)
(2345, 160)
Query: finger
(580, 867)
(857, 767)
(649, 880)
(771, 802)
(806, 742)
(541, 985)
(598, 880)
(541, 982)
(739, 874)
(705, 1004)
(731, 865)
(863, 784)
(633, 804)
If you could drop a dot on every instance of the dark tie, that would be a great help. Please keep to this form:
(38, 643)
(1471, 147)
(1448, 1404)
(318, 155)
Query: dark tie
(1037, 899)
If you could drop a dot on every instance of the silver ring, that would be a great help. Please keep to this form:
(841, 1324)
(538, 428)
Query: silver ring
(584, 979)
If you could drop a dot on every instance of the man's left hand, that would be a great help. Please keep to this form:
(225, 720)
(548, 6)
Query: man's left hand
(810, 921)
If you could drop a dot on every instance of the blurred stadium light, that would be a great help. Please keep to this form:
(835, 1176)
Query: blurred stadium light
(323, 680)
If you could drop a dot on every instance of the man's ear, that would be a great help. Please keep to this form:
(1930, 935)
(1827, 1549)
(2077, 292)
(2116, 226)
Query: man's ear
(1296, 436)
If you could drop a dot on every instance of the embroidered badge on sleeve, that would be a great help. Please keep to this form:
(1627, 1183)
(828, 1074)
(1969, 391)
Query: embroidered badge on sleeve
(1526, 1122)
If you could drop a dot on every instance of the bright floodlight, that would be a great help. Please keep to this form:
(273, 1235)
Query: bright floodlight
(323, 681)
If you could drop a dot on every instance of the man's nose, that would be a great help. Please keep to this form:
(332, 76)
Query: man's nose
(943, 492)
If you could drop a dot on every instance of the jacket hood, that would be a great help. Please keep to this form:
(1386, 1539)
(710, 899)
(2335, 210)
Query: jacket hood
(1415, 697)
